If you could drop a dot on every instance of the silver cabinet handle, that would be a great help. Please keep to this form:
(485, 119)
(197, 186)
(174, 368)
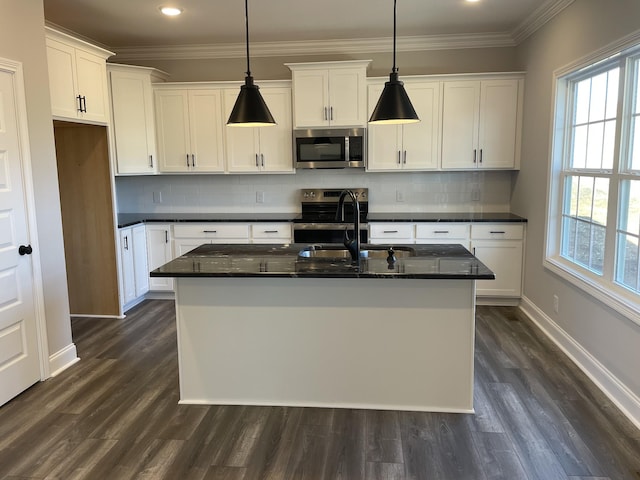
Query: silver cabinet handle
(441, 231)
(262, 159)
(166, 236)
(474, 155)
(399, 153)
(257, 162)
(325, 113)
(404, 158)
(151, 161)
(126, 242)
(497, 231)
(480, 155)
(193, 160)
(187, 159)
(390, 231)
(330, 113)
(270, 231)
(209, 231)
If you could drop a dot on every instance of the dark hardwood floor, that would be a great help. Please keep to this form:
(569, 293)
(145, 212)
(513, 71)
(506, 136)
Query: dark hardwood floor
(115, 415)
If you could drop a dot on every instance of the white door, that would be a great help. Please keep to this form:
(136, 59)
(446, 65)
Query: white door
(276, 148)
(19, 357)
(207, 144)
(460, 118)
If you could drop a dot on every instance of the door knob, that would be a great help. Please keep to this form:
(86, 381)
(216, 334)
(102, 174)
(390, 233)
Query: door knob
(25, 250)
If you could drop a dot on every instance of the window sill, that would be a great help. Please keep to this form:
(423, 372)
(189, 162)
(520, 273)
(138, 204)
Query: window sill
(619, 302)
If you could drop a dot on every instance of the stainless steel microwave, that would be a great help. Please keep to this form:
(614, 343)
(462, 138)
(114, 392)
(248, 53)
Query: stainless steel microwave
(330, 148)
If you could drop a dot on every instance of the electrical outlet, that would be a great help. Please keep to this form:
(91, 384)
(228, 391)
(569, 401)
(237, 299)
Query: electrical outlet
(399, 196)
(556, 303)
(259, 197)
(157, 197)
(475, 194)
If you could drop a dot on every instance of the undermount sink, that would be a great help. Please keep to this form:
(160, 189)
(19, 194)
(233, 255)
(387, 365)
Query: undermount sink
(338, 252)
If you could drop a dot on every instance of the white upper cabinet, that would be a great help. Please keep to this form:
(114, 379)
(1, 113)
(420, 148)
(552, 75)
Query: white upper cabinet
(329, 94)
(481, 124)
(409, 147)
(77, 79)
(261, 149)
(133, 118)
(189, 126)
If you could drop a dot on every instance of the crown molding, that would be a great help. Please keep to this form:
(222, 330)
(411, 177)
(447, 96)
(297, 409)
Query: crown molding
(316, 47)
(538, 19)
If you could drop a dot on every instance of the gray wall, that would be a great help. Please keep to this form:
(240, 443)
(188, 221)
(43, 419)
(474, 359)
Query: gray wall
(272, 68)
(22, 39)
(581, 29)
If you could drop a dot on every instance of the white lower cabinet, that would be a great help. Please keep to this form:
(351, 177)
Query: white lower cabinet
(499, 247)
(134, 271)
(192, 235)
(280, 232)
(159, 252)
(395, 232)
(437, 232)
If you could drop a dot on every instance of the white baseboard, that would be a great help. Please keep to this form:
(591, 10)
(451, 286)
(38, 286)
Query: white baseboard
(498, 301)
(63, 359)
(611, 386)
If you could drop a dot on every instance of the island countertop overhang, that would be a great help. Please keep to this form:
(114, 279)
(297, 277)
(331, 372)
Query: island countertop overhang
(433, 261)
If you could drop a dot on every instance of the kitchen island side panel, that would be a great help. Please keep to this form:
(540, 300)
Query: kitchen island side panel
(401, 344)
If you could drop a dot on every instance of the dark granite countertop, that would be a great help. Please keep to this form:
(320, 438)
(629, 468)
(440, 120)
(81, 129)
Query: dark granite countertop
(127, 219)
(444, 217)
(437, 261)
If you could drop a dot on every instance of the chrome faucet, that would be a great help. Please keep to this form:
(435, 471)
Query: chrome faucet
(352, 244)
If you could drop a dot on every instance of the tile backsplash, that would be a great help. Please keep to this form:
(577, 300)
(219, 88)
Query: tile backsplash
(488, 191)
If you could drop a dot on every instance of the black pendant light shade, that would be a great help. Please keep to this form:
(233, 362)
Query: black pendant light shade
(250, 109)
(394, 106)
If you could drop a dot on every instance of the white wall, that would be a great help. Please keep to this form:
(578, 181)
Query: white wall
(22, 39)
(612, 341)
(422, 191)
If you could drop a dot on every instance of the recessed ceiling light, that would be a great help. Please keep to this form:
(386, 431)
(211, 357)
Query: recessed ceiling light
(473, 1)
(171, 11)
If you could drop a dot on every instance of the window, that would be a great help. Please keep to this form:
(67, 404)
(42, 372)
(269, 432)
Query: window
(594, 211)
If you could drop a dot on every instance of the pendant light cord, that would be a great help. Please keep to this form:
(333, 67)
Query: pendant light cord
(394, 37)
(246, 22)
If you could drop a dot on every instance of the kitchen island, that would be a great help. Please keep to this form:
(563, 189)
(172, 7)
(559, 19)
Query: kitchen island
(299, 326)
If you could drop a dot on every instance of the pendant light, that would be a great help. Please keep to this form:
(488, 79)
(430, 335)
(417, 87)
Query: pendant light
(250, 109)
(394, 106)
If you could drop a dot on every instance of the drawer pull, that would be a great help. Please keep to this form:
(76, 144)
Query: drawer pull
(497, 231)
(270, 231)
(209, 231)
(390, 231)
(441, 231)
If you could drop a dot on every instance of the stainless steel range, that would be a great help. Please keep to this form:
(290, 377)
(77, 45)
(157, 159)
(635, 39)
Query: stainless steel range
(318, 224)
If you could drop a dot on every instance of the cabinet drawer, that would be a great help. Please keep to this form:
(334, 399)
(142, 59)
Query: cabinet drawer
(497, 231)
(442, 231)
(212, 230)
(391, 230)
(270, 230)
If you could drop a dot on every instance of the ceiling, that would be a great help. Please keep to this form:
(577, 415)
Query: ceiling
(120, 24)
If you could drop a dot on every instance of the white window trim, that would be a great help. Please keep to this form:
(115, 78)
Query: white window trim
(608, 293)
